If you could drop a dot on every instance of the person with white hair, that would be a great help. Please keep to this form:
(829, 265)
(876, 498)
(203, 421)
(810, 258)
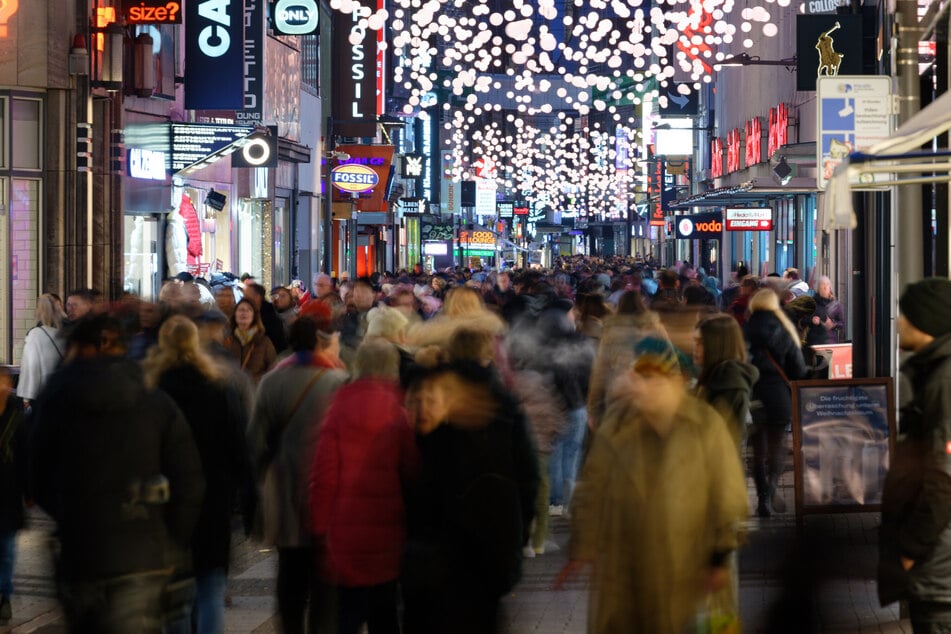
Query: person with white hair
(829, 319)
(43, 348)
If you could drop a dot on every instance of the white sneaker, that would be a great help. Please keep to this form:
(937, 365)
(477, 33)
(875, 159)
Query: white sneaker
(528, 552)
(556, 510)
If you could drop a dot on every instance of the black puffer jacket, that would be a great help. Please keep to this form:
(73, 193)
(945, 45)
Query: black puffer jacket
(916, 500)
(98, 436)
(771, 345)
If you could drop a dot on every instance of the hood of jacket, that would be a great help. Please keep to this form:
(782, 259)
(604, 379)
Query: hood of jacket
(731, 375)
(100, 385)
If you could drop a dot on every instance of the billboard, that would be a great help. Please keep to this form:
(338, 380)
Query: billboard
(214, 48)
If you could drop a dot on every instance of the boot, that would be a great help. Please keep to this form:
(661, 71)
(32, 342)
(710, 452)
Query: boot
(762, 508)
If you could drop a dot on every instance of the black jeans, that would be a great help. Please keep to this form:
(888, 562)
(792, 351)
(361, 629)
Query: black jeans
(119, 605)
(300, 596)
(929, 617)
(769, 456)
(373, 605)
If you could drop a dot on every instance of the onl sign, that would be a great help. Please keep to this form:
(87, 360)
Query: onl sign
(295, 17)
(353, 178)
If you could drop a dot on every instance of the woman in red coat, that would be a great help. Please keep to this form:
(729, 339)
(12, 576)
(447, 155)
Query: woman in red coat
(365, 453)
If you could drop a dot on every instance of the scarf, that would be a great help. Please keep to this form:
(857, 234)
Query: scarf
(244, 338)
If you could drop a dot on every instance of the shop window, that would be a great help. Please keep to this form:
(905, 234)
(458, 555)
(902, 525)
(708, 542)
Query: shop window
(25, 134)
(24, 258)
(250, 242)
(310, 63)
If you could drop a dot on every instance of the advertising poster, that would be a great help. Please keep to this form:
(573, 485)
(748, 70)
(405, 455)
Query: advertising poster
(843, 432)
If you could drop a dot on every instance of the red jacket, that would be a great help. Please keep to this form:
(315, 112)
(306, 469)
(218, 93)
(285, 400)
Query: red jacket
(365, 451)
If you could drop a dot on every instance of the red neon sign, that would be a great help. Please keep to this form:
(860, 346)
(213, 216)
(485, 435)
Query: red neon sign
(778, 128)
(155, 12)
(732, 151)
(716, 158)
(754, 141)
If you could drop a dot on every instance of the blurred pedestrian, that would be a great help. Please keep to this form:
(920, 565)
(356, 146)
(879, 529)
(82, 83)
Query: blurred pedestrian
(273, 326)
(218, 417)
(13, 481)
(775, 351)
(115, 466)
(365, 458)
(632, 322)
(657, 509)
(915, 541)
(470, 510)
(725, 378)
(289, 406)
(250, 346)
(43, 349)
(828, 322)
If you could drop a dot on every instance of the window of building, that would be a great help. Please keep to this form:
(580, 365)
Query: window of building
(310, 63)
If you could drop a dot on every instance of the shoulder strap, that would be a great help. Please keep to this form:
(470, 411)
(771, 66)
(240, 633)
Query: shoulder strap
(305, 392)
(52, 341)
(778, 367)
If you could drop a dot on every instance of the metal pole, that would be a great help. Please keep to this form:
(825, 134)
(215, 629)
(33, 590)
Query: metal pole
(328, 219)
(909, 238)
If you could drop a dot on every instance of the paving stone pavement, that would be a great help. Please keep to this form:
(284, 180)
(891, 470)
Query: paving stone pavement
(819, 580)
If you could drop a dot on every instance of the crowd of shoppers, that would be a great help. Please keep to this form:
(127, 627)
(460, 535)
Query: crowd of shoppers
(401, 440)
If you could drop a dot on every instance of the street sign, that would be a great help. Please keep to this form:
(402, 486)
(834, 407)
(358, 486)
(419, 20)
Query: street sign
(746, 219)
(855, 112)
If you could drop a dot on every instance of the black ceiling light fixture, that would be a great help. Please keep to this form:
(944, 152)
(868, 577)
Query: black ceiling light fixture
(782, 171)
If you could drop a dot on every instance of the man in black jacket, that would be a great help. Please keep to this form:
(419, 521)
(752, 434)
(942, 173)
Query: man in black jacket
(117, 468)
(915, 544)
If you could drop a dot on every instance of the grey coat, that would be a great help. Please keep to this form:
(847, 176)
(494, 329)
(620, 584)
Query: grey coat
(281, 442)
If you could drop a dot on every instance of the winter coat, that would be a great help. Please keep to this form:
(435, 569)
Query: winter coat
(727, 387)
(544, 411)
(650, 530)
(616, 353)
(281, 442)
(99, 437)
(255, 358)
(771, 345)
(831, 308)
(916, 500)
(218, 418)
(42, 352)
(470, 510)
(365, 454)
(13, 465)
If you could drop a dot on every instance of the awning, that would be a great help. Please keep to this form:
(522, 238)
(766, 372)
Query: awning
(899, 156)
(757, 190)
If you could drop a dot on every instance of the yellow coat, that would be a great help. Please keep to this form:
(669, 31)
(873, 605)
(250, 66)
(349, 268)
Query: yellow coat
(649, 512)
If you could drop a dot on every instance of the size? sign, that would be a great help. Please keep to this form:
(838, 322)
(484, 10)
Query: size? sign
(153, 11)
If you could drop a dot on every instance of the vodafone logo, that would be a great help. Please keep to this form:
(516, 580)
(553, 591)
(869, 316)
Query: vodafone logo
(699, 227)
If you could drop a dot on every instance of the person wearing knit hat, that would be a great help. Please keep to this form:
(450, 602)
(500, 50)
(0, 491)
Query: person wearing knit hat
(927, 305)
(915, 539)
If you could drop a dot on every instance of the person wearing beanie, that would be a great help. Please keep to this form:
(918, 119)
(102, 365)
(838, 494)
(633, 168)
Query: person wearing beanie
(915, 540)
(656, 443)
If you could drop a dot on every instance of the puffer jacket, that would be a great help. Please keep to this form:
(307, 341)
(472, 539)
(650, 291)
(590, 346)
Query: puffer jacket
(916, 500)
(98, 438)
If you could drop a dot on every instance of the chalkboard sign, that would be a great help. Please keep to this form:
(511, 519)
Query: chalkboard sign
(843, 435)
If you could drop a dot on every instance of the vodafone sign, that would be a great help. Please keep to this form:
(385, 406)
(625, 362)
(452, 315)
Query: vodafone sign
(745, 219)
(707, 226)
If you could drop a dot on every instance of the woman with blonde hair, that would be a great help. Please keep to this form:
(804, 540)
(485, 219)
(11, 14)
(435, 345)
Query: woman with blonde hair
(775, 351)
(43, 348)
(218, 418)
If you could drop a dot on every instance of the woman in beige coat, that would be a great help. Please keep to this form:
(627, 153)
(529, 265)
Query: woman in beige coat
(658, 508)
